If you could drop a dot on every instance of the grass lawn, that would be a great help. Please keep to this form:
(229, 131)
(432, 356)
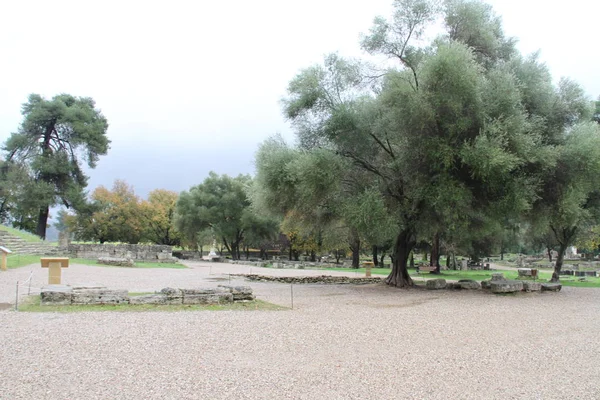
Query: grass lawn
(477, 275)
(20, 260)
(32, 304)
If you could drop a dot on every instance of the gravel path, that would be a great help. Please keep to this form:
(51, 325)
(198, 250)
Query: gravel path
(339, 342)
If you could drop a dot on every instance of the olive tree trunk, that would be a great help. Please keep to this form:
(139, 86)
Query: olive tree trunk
(434, 261)
(399, 276)
(42, 222)
(564, 237)
(559, 263)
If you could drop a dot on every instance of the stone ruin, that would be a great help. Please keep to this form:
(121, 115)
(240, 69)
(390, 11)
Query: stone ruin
(116, 262)
(322, 279)
(498, 284)
(136, 252)
(98, 295)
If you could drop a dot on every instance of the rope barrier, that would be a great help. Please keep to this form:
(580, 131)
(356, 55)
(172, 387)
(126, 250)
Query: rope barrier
(28, 283)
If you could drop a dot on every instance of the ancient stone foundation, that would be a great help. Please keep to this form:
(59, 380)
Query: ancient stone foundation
(93, 295)
(136, 252)
(498, 284)
(311, 279)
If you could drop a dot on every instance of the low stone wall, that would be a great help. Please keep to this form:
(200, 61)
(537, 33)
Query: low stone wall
(66, 295)
(285, 264)
(573, 272)
(136, 252)
(311, 279)
(498, 284)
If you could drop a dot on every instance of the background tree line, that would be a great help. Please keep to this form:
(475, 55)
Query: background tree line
(450, 143)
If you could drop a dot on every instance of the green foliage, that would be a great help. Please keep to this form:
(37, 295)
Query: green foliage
(475, 24)
(111, 216)
(221, 204)
(460, 136)
(571, 198)
(596, 112)
(52, 139)
(158, 216)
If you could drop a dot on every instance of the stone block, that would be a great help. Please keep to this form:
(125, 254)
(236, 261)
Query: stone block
(436, 284)
(551, 287)
(214, 298)
(173, 296)
(190, 292)
(56, 295)
(498, 276)
(118, 262)
(486, 284)
(239, 293)
(154, 299)
(100, 296)
(506, 286)
(524, 272)
(566, 272)
(84, 286)
(532, 286)
(469, 284)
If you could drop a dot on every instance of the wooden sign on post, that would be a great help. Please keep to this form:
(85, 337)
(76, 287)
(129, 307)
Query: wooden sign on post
(4, 252)
(54, 265)
(368, 266)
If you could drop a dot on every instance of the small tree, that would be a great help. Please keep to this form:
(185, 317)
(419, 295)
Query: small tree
(219, 203)
(158, 214)
(111, 215)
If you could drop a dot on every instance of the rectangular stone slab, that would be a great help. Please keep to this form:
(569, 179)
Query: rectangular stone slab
(156, 299)
(220, 298)
(506, 286)
(187, 292)
(100, 296)
(56, 295)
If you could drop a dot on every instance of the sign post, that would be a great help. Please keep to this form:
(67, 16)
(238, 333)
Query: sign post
(54, 266)
(368, 266)
(4, 252)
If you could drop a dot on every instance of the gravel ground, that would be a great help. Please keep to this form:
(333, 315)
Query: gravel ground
(339, 342)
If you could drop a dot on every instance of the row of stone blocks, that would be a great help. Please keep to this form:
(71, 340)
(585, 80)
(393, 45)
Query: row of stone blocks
(498, 284)
(324, 279)
(573, 272)
(66, 295)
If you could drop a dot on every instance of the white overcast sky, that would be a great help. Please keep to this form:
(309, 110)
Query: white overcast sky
(194, 86)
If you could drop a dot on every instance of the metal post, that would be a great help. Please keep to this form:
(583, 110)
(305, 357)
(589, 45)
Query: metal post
(17, 298)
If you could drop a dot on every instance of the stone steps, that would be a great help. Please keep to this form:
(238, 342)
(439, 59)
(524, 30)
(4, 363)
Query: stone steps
(20, 246)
